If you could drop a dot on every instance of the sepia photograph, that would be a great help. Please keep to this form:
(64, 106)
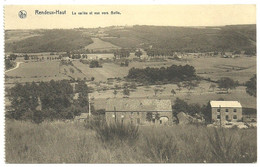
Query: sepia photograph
(135, 84)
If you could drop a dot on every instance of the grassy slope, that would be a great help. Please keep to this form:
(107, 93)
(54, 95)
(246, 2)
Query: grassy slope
(187, 38)
(58, 142)
(49, 41)
(99, 44)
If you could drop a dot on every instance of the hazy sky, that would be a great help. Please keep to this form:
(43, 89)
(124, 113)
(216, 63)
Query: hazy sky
(165, 15)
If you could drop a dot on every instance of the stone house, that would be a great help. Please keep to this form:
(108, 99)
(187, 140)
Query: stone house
(223, 112)
(139, 111)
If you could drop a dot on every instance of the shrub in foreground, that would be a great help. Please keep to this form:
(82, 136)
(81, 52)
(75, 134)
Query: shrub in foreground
(227, 147)
(160, 148)
(116, 132)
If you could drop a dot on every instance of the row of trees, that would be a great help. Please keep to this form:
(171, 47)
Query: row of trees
(121, 53)
(159, 52)
(153, 52)
(172, 73)
(47, 100)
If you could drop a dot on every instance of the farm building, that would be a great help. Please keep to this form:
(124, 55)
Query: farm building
(226, 111)
(139, 111)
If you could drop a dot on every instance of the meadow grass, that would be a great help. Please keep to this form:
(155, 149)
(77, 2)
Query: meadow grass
(74, 142)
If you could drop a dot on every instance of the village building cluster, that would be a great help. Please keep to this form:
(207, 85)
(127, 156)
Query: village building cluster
(160, 112)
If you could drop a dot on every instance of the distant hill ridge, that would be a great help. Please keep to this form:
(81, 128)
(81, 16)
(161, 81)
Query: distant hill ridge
(221, 38)
(187, 39)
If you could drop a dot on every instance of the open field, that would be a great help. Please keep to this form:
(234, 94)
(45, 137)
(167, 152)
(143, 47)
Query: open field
(109, 70)
(112, 70)
(35, 71)
(30, 69)
(99, 44)
(71, 142)
(241, 69)
(125, 41)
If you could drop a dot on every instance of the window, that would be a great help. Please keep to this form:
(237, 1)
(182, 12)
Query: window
(218, 116)
(132, 113)
(137, 113)
(226, 117)
(234, 116)
(235, 110)
(226, 110)
(218, 110)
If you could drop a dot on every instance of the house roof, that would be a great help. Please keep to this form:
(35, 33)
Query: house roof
(138, 105)
(225, 104)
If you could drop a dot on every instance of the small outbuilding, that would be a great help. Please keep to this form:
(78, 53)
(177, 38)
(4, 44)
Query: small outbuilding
(139, 111)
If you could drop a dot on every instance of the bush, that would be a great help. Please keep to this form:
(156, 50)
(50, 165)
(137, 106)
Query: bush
(160, 148)
(117, 132)
(226, 147)
(94, 64)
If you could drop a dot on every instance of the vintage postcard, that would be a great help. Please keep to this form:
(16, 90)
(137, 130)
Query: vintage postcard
(130, 84)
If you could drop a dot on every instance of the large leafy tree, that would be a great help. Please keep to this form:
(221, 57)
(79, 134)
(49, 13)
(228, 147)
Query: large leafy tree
(24, 100)
(251, 86)
(55, 99)
(182, 106)
(227, 83)
(8, 63)
(12, 56)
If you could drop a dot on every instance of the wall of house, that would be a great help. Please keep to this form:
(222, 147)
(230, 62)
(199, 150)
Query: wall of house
(135, 117)
(226, 114)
